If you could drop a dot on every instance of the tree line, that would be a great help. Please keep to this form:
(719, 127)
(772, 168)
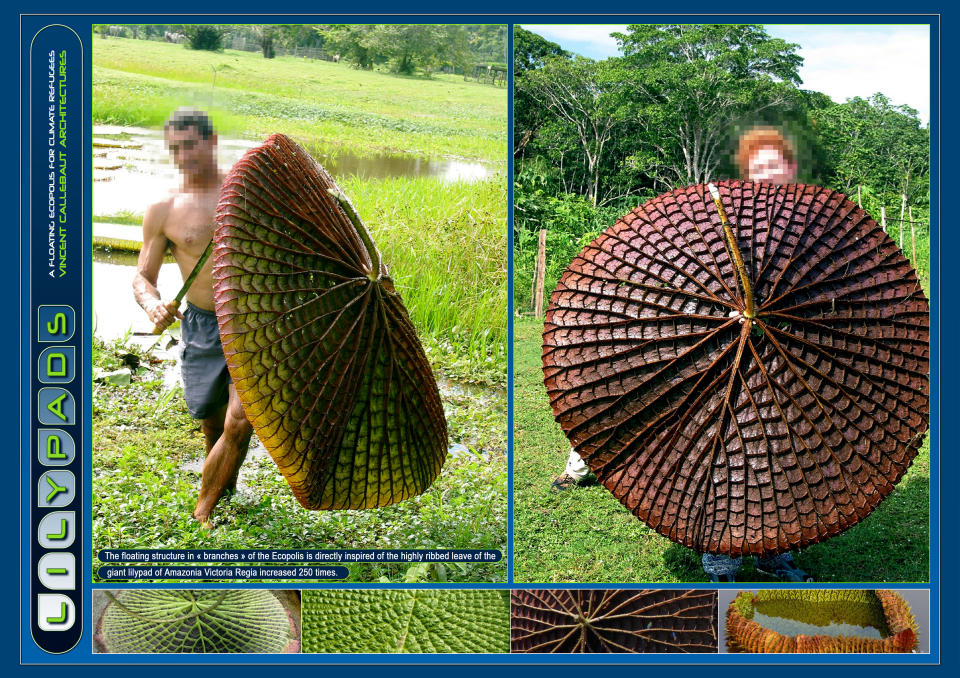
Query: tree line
(593, 139)
(402, 48)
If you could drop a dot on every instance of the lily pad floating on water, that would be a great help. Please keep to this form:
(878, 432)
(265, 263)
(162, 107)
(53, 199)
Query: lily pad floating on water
(566, 621)
(733, 434)
(322, 351)
(820, 621)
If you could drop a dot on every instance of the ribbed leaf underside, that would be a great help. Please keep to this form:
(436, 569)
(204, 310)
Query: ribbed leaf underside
(321, 349)
(195, 621)
(433, 621)
(731, 436)
(567, 621)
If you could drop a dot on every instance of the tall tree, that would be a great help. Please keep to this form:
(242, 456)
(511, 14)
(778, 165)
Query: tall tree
(689, 83)
(875, 144)
(583, 111)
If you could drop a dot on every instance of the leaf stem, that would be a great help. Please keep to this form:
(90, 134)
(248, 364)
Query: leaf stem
(362, 231)
(748, 311)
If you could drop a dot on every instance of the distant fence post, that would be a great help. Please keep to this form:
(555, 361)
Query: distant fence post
(913, 235)
(883, 218)
(539, 274)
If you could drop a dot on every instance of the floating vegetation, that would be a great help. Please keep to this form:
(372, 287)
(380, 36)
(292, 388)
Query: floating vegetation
(742, 398)
(164, 621)
(820, 621)
(321, 349)
(567, 621)
(388, 621)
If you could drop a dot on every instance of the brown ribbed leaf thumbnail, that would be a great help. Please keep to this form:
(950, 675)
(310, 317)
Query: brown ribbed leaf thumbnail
(317, 340)
(731, 434)
(568, 621)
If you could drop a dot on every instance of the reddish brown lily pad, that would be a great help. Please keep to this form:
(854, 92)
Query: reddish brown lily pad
(741, 436)
(322, 351)
(567, 621)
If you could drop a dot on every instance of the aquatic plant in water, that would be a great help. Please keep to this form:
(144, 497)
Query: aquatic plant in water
(317, 340)
(749, 388)
(160, 621)
(820, 611)
(428, 621)
(613, 621)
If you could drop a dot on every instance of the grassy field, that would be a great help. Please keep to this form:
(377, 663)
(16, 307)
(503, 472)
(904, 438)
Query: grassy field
(324, 105)
(445, 243)
(585, 535)
(148, 454)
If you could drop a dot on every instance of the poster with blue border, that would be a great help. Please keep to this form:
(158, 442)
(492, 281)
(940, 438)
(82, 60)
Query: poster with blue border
(282, 347)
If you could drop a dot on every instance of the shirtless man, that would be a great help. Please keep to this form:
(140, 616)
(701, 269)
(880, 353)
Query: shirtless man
(184, 221)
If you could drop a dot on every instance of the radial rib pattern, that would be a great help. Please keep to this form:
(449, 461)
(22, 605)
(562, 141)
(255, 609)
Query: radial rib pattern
(195, 621)
(726, 435)
(567, 621)
(321, 349)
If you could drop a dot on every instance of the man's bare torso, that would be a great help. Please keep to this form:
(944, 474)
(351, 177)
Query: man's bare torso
(189, 226)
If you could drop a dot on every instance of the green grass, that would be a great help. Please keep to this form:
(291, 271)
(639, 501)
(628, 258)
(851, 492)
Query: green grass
(147, 453)
(586, 535)
(322, 104)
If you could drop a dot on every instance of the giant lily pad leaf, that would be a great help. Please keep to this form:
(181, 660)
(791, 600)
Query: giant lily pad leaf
(196, 621)
(733, 434)
(613, 621)
(317, 340)
(429, 621)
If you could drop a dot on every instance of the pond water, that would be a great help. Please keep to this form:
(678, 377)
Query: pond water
(131, 167)
(857, 620)
(115, 312)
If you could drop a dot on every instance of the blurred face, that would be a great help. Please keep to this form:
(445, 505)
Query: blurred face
(191, 153)
(768, 164)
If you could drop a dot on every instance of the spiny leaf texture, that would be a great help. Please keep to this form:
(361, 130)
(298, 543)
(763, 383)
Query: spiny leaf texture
(427, 621)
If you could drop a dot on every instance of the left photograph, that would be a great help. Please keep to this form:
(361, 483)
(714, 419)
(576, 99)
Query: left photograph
(300, 291)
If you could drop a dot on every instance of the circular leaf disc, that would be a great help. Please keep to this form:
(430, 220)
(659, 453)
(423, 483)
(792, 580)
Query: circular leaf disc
(321, 349)
(728, 435)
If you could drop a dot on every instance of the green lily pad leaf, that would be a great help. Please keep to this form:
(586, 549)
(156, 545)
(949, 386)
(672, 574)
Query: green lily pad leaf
(248, 621)
(385, 621)
(116, 377)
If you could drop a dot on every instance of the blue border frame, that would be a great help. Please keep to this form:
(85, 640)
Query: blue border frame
(82, 653)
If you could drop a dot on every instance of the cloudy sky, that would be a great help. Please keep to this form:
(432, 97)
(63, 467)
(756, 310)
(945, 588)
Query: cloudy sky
(840, 61)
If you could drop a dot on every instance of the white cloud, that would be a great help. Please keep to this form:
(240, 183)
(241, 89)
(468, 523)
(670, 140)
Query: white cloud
(856, 61)
(840, 61)
(592, 41)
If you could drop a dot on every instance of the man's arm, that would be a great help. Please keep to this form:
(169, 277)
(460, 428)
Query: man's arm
(148, 267)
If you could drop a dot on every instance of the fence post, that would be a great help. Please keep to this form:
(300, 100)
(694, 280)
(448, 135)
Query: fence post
(903, 207)
(883, 218)
(913, 235)
(539, 273)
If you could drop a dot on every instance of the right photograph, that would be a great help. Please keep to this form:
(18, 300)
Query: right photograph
(721, 262)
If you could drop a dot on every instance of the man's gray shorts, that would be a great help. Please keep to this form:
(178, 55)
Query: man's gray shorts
(204, 369)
